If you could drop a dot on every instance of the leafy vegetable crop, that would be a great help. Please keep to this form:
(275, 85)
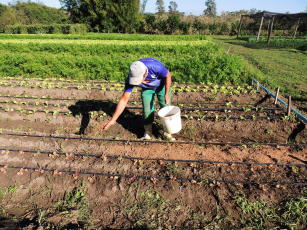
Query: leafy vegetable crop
(195, 61)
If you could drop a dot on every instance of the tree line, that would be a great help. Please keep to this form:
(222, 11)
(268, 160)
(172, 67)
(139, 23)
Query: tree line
(128, 16)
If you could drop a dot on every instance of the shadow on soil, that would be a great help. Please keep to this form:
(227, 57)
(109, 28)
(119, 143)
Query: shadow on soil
(296, 158)
(10, 224)
(136, 228)
(298, 129)
(129, 120)
(295, 132)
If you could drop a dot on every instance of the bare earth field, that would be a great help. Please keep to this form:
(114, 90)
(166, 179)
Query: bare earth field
(58, 172)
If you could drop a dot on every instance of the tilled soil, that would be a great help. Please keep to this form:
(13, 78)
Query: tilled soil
(142, 186)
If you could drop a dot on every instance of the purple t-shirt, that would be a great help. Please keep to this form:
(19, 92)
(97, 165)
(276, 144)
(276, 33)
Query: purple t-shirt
(157, 73)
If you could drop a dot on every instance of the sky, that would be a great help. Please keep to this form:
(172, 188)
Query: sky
(196, 7)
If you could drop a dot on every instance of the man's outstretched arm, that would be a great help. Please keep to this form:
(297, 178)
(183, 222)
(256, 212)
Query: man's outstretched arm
(119, 110)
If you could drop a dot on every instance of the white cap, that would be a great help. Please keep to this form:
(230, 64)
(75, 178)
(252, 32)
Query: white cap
(137, 72)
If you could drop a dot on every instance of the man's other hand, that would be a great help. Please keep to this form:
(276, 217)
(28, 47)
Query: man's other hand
(167, 99)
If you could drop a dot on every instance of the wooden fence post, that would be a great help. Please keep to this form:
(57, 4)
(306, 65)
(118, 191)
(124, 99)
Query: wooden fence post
(296, 27)
(260, 27)
(289, 106)
(271, 29)
(276, 96)
(269, 24)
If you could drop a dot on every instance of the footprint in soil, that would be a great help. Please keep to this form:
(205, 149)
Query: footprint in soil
(129, 120)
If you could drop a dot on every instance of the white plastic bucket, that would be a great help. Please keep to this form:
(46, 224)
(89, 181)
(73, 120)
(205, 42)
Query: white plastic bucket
(171, 119)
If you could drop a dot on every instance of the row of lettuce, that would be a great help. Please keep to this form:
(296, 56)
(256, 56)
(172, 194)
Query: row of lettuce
(198, 61)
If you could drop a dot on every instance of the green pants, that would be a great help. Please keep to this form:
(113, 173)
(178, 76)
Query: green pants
(148, 96)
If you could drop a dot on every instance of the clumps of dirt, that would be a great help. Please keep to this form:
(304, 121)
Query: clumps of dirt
(115, 203)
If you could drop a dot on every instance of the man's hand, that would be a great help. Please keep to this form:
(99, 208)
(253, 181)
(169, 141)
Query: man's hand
(105, 125)
(167, 99)
(118, 111)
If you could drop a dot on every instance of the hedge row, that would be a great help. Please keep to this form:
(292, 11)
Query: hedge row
(46, 29)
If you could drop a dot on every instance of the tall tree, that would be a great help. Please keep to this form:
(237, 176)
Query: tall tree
(143, 6)
(172, 8)
(3, 8)
(30, 13)
(105, 15)
(160, 6)
(8, 17)
(73, 8)
(211, 8)
(34, 13)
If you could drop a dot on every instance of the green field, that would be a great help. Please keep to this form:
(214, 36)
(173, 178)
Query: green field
(191, 59)
(194, 59)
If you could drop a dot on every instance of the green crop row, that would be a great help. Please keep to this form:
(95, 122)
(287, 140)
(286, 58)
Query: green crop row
(192, 108)
(33, 111)
(189, 61)
(210, 88)
(108, 36)
(37, 103)
(82, 42)
(15, 100)
(192, 115)
(61, 83)
(48, 98)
